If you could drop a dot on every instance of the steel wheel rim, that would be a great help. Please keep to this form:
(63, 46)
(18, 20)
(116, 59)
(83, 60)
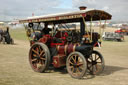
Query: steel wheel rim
(95, 63)
(76, 65)
(37, 57)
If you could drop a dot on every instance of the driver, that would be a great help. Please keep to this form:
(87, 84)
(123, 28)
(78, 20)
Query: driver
(46, 30)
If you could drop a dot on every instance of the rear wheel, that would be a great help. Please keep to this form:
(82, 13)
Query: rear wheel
(76, 65)
(39, 57)
(95, 63)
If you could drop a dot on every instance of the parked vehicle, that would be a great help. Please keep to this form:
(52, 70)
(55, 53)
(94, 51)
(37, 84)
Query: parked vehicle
(5, 35)
(68, 48)
(112, 36)
(123, 30)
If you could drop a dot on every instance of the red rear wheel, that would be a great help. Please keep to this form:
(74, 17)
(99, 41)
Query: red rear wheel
(39, 57)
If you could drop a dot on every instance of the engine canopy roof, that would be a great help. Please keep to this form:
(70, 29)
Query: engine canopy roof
(69, 17)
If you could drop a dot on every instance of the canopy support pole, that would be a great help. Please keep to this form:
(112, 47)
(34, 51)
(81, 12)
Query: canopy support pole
(86, 29)
(104, 26)
(100, 31)
(91, 28)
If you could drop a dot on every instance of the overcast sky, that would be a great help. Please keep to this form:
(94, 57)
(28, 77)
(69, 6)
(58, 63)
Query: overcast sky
(17, 9)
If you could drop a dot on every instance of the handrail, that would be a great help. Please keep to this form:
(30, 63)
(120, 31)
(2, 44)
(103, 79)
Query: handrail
(100, 30)
(91, 28)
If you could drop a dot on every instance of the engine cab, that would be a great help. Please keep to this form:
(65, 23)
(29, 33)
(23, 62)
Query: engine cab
(66, 39)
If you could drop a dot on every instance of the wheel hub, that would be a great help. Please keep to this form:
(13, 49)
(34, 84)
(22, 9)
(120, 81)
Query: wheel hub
(75, 65)
(38, 57)
(94, 62)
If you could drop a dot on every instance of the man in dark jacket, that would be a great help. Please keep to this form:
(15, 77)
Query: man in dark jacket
(46, 30)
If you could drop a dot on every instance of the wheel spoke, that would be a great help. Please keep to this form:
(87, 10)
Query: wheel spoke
(97, 67)
(89, 69)
(35, 55)
(42, 58)
(97, 58)
(39, 48)
(35, 65)
(70, 62)
(89, 62)
(35, 51)
(93, 69)
(77, 70)
(73, 69)
(90, 66)
(33, 60)
(73, 59)
(42, 62)
(41, 53)
(81, 67)
(91, 58)
(79, 64)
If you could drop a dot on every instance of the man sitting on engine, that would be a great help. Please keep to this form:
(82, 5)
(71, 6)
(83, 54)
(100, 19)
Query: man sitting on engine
(46, 30)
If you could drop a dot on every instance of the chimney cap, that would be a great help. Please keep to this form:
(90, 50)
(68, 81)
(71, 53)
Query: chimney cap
(82, 7)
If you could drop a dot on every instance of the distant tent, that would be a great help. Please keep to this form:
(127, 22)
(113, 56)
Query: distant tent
(1, 22)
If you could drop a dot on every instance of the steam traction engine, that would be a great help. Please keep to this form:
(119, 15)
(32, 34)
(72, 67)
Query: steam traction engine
(70, 48)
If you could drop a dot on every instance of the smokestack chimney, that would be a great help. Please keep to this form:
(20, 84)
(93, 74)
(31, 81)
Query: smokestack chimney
(82, 7)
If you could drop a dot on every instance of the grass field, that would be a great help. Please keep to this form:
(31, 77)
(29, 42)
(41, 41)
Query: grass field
(18, 34)
(15, 68)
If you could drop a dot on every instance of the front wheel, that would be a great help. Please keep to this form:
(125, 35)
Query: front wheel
(95, 63)
(39, 57)
(76, 65)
